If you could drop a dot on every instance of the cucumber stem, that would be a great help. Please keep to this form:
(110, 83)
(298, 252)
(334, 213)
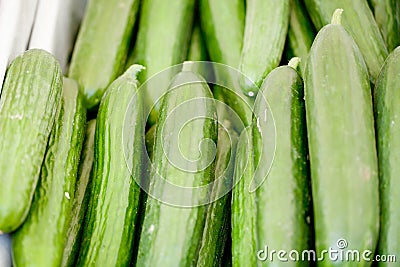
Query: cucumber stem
(294, 62)
(337, 17)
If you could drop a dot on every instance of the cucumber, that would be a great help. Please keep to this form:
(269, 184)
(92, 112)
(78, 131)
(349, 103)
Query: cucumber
(102, 45)
(41, 238)
(111, 218)
(301, 32)
(387, 16)
(182, 162)
(81, 198)
(163, 40)
(386, 96)
(341, 140)
(283, 207)
(217, 226)
(264, 40)
(29, 102)
(244, 212)
(359, 21)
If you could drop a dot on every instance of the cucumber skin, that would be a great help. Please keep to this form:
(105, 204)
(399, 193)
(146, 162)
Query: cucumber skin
(341, 144)
(387, 16)
(301, 33)
(159, 51)
(244, 213)
(359, 21)
(99, 55)
(41, 238)
(284, 207)
(81, 198)
(111, 218)
(264, 40)
(160, 242)
(218, 214)
(386, 95)
(28, 106)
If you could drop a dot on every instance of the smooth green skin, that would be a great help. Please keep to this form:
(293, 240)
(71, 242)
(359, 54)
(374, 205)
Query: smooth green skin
(172, 235)
(284, 207)
(387, 116)
(80, 201)
(341, 141)
(301, 32)
(41, 238)
(359, 21)
(102, 45)
(29, 104)
(111, 218)
(244, 212)
(163, 40)
(197, 49)
(222, 24)
(218, 215)
(387, 16)
(264, 40)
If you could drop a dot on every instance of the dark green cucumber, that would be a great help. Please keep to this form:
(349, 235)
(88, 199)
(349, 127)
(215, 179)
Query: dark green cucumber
(244, 213)
(111, 218)
(387, 115)
(264, 40)
(359, 21)
(29, 103)
(284, 197)
(80, 201)
(163, 41)
(41, 239)
(301, 32)
(175, 217)
(341, 139)
(102, 46)
(387, 16)
(218, 215)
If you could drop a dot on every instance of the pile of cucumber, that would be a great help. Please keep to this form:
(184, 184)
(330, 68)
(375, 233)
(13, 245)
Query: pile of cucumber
(137, 153)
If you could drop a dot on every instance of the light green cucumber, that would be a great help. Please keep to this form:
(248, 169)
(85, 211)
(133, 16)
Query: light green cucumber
(359, 22)
(387, 115)
(80, 201)
(163, 41)
(102, 45)
(183, 160)
(341, 140)
(29, 103)
(41, 239)
(264, 40)
(112, 215)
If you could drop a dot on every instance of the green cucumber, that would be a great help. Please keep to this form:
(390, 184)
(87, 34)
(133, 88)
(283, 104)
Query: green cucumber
(264, 40)
(29, 103)
(41, 238)
(284, 198)
(341, 139)
(175, 217)
(102, 46)
(163, 41)
(218, 215)
(387, 16)
(359, 21)
(387, 115)
(244, 213)
(112, 214)
(301, 32)
(80, 201)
